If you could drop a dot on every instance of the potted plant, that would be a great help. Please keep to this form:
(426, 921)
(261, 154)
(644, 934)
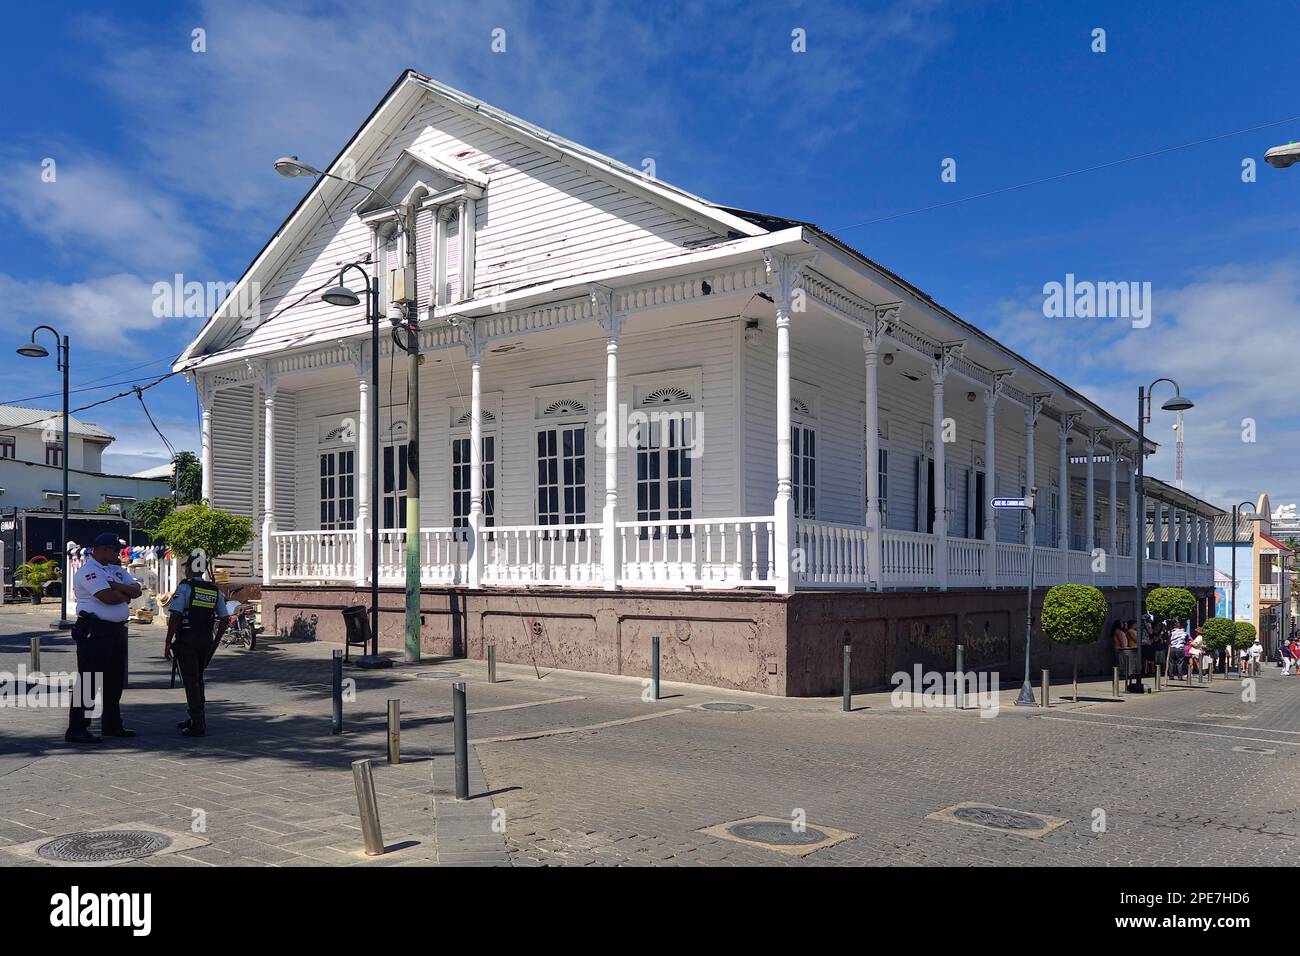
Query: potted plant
(35, 574)
(1073, 614)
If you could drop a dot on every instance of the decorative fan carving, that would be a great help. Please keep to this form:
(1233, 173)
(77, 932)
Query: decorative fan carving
(564, 407)
(800, 407)
(464, 420)
(667, 395)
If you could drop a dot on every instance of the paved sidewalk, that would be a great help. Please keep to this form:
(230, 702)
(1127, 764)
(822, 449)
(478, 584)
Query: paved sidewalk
(577, 769)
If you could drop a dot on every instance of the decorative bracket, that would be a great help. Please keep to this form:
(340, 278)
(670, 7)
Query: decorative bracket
(943, 359)
(602, 300)
(785, 274)
(1067, 423)
(993, 392)
(1037, 402)
(1094, 437)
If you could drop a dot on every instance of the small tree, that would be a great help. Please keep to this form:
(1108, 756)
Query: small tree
(1171, 605)
(199, 529)
(1243, 637)
(1218, 633)
(189, 477)
(1074, 614)
(148, 515)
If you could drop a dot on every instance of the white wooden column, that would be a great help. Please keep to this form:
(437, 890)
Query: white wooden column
(363, 439)
(1064, 427)
(1090, 496)
(1034, 409)
(871, 338)
(1136, 523)
(603, 299)
(204, 388)
(1183, 529)
(991, 395)
(939, 486)
(785, 278)
(268, 478)
(474, 350)
(1158, 533)
(1116, 450)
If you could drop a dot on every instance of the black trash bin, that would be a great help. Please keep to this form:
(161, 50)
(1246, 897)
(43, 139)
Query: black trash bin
(356, 623)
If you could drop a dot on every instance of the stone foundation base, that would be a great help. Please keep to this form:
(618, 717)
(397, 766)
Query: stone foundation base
(786, 645)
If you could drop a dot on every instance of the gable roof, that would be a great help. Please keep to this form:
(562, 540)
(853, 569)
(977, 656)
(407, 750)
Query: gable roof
(410, 87)
(19, 416)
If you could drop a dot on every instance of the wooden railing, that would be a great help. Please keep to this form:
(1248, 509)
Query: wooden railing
(702, 552)
(568, 554)
(830, 555)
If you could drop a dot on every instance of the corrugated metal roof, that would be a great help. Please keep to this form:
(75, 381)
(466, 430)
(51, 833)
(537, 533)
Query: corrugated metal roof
(17, 416)
(1223, 529)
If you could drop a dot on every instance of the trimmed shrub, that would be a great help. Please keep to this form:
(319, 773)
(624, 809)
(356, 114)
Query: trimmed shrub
(1218, 633)
(1171, 605)
(1074, 614)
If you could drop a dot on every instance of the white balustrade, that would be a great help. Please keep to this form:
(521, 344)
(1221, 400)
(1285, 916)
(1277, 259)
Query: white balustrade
(830, 554)
(701, 552)
(907, 559)
(542, 554)
(966, 557)
(314, 555)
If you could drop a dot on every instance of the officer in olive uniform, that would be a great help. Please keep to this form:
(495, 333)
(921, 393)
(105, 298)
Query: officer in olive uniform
(196, 606)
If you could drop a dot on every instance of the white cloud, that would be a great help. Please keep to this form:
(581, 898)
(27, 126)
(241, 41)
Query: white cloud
(1224, 336)
(108, 314)
(96, 210)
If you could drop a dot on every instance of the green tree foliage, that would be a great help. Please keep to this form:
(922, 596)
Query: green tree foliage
(198, 528)
(1074, 613)
(1245, 634)
(148, 515)
(1171, 605)
(189, 472)
(1218, 633)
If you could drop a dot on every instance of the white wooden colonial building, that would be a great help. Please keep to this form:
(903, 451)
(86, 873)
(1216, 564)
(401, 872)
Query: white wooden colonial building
(625, 387)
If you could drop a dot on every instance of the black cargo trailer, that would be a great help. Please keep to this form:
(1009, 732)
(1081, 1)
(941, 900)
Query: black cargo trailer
(32, 532)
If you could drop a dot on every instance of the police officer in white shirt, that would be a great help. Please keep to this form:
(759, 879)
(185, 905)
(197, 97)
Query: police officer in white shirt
(104, 591)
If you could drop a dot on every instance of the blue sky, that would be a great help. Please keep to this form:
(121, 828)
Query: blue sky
(163, 161)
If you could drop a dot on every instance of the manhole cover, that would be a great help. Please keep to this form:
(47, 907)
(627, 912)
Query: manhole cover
(103, 845)
(776, 834)
(727, 707)
(997, 818)
(442, 675)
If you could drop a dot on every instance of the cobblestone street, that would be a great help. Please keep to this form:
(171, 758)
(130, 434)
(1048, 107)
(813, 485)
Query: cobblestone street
(580, 770)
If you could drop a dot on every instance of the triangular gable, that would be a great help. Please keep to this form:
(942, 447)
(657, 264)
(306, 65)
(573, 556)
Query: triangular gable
(400, 101)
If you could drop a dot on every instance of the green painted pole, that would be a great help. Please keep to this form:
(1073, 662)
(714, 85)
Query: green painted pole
(413, 492)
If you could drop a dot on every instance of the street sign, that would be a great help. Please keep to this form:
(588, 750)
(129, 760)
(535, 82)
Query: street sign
(1021, 503)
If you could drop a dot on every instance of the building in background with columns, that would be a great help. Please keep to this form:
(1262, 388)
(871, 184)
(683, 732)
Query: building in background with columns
(645, 414)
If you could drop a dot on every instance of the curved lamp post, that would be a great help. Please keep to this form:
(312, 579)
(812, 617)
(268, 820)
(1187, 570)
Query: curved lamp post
(35, 350)
(341, 295)
(1176, 404)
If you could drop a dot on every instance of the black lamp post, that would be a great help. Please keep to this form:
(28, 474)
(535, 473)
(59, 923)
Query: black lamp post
(341, 295)
(35, 350)
(1176, 404)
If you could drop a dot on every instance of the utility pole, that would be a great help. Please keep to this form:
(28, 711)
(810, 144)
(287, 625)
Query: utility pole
(412, 310)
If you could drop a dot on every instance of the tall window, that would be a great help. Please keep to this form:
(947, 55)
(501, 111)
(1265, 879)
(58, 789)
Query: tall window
(8, 446)
(394, 485)
(338, 501)
(460, 474)
(562, 475)
(664, 476)
(54, 455)
(803, 461)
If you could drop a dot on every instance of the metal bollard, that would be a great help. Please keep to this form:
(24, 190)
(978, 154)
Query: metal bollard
(848, 680)
(492, 663)
(367, 806)
(654, 664)
(1159, 676)
(336, 726)
(36, 656)
(959, 695)
(394, 731)
(1047, 688)
(461, 734)
(1114, 682)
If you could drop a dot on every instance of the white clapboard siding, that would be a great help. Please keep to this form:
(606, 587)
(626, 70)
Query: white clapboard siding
(508, 383)
(540, 219)
(234, 450)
